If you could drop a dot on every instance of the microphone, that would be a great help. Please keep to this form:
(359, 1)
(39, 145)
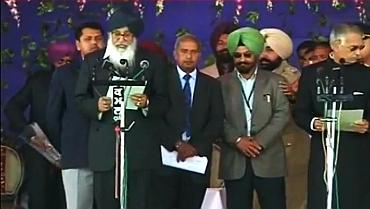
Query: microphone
(144, 64)
(123, 62)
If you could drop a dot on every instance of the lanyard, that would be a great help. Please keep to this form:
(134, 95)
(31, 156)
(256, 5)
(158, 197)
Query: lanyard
(246, 100)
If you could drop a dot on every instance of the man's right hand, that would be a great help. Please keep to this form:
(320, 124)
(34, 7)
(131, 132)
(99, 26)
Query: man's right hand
(104, 104)
(319, 125)
(185, 150)
(249, 146)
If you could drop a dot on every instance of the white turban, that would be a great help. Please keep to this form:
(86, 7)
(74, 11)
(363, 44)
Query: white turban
(278, 41)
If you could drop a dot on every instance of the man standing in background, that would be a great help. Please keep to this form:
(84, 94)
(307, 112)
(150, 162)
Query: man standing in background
(278, 48)
(43, 180)
(224, 62)
(68, 126)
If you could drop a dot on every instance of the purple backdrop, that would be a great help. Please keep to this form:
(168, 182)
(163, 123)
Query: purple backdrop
(197, 16)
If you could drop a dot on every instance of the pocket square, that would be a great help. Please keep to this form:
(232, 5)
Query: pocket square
(356, 93)
(267, 97)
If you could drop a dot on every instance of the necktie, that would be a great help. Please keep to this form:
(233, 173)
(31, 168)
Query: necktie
(187, 94)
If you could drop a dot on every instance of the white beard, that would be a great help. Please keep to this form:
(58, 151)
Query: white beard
(117, 54)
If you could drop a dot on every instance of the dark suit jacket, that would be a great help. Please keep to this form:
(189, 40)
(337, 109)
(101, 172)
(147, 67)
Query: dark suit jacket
(353, 148)
(34, 94)
(66, 124)
(206, 116)
(269, 117)
(140, 141)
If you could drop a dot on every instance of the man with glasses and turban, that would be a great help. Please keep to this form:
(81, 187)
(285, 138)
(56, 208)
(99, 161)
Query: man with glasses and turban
(122, 59)
(256, 112)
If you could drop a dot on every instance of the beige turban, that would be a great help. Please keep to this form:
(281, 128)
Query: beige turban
(278, 41)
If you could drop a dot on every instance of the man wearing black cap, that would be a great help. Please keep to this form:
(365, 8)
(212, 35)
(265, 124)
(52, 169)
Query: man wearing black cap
(120, 59)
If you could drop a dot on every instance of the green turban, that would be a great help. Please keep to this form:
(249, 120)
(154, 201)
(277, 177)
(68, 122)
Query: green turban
(248, 37)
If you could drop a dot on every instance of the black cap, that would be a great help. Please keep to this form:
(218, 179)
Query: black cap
(122, 18)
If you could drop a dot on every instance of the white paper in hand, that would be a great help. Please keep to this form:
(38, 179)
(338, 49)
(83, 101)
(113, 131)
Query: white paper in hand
(196, 164)
(131, 91)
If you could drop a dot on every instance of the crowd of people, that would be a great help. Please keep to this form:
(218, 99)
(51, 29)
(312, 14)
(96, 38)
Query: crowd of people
(244, 111)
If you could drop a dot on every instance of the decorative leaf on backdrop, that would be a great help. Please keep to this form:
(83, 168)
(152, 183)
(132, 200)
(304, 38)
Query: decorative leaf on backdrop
(6, 56)
(252, 16)
(46, 6)
(210, 60)
(4, 26)
(181, 31)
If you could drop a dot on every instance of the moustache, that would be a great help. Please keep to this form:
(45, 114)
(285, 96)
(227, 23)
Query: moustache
(264, 60)
(242, 63)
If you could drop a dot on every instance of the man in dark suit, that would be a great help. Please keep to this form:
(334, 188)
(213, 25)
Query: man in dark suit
(43, 180)
(256, 112)
(346, 41)
(66, 124)
(193, 121)
(121, 59)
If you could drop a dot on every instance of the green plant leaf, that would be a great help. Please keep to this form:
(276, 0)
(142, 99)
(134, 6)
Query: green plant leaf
(32, 46)
(4, 84)
(291, 8)
(159, 37)
(210, 60)
(340, 6)
(323, 20)
(252, 16)
(25, 52)
(44, 29)
(25, 38)
(4, 26)
(70, 22)
(181, 31)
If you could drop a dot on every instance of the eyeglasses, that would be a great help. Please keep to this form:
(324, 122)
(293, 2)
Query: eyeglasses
(126, 34)
(245, 54)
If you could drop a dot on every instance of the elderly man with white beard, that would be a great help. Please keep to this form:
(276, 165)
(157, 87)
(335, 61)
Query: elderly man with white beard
(122, 58)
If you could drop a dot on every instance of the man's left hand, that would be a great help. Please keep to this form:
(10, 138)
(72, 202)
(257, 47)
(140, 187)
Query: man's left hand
(287, 89)
(140, 100)
(361, 126)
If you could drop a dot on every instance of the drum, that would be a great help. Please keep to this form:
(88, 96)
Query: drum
(12, 171)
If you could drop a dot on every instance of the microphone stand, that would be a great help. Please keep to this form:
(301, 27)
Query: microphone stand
(120, 99)
(330, 97)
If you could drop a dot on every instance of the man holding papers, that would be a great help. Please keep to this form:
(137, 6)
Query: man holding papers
(193, 121)
(350, 78)
(122, 59)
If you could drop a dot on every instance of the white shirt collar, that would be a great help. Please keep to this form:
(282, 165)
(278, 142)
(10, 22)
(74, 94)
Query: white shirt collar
(182, 73)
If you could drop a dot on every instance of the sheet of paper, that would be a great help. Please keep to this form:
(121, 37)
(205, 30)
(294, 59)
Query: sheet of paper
(196, 164)
(131, 91)
(348, 117)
